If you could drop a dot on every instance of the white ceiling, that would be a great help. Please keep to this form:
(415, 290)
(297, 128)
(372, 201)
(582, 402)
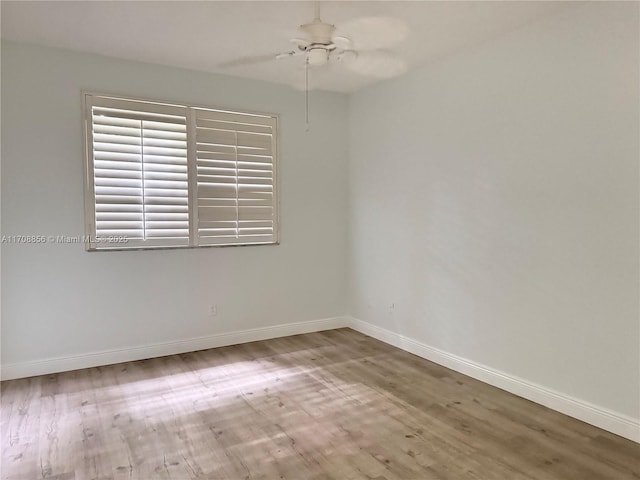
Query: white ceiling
(202, 35)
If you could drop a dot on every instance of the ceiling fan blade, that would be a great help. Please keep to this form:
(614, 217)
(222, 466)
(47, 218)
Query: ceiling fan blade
(373, 33)
(292, 53)
(377, 63)
(300, 42)
(344, 43)
(347, 56)
(253, 60)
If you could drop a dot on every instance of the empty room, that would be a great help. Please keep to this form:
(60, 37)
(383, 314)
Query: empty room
(346, 240)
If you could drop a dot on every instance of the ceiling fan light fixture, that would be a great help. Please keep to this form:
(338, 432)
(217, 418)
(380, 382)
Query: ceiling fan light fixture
(317, 56)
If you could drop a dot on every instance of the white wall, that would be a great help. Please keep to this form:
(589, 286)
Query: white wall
(58, 300)
(494, 202)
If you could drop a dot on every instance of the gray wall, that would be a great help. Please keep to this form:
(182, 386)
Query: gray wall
(58, 300)
(494, 203)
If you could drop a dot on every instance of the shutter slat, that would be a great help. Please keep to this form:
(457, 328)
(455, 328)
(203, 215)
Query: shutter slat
(115, 181)
(217, 190)
(116, 216)
(117, 191)
(104, 107)
(243, 181)
(217, 148)
(120, 225)
(116, 148)
(252, 152)
(129, 233)
(103, 138)
(254, 213)
(250, 161)
(253, 173)
(117, 173)
(255, 159)
(237, 240)
(178, 233)
(164, 152)
(205, 158)
(247, 195)
(233, 117)
(204, 123)
(103, 157)
(216, 137)
(121, 207)
(166, 167)
(104, 199)
(206, 214)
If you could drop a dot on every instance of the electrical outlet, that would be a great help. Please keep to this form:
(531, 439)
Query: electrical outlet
(213, 310)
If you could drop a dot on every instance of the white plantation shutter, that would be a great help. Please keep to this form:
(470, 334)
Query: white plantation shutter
(235, 178)
(165, 175)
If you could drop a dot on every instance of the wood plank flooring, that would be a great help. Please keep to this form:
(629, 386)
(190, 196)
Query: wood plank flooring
(329, 405)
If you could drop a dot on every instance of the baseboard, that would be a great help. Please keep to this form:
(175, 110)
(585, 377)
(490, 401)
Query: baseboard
(600, 417)
(107, 357)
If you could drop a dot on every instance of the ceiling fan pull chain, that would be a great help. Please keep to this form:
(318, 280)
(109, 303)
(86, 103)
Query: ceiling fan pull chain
(306, 92)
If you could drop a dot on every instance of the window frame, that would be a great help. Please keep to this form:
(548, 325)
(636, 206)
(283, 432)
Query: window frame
(90, 240)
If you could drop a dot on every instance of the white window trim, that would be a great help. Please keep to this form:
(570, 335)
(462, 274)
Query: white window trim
(89, 184)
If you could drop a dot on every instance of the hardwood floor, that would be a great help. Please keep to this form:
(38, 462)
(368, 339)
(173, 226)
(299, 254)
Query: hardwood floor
(330, 405)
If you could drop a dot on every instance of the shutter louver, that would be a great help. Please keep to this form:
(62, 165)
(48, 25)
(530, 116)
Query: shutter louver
(235, 178)
(140, 173)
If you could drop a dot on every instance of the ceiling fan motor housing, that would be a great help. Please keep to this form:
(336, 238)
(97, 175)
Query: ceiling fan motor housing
(318, 32)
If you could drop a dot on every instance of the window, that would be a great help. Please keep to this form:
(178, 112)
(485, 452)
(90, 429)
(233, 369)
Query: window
(167, 175)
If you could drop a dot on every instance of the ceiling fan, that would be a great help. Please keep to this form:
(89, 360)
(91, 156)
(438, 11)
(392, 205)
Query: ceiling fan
(366, 54)
(319, 45)
(319, 42)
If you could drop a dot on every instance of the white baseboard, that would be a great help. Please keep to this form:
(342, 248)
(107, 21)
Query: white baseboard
(107, 357)
(600, 417)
